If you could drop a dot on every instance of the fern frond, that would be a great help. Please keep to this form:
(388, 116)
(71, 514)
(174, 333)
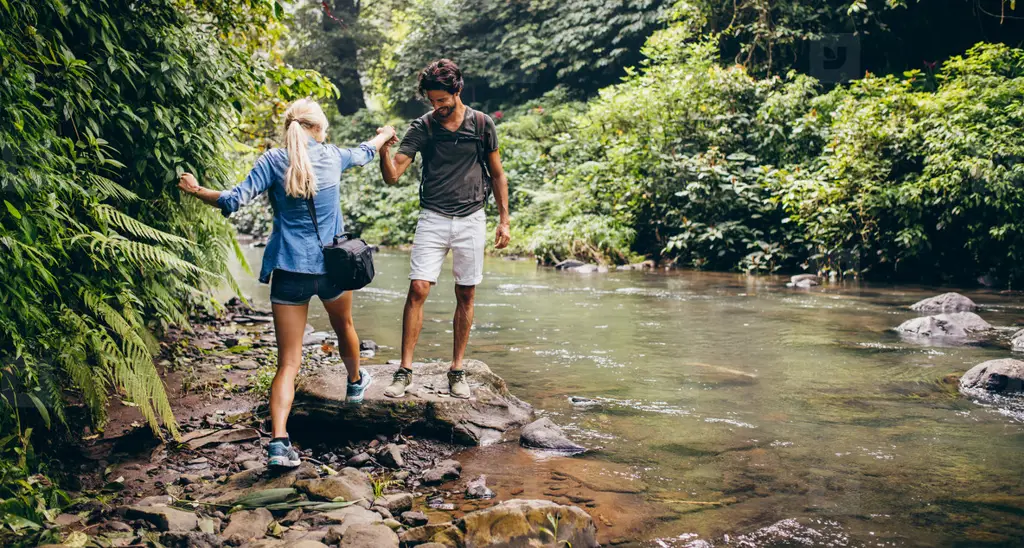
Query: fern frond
(134, 227)
(104, 188)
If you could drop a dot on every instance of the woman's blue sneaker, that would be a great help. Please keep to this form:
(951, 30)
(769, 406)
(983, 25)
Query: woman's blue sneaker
(282, 455)
(355, 390)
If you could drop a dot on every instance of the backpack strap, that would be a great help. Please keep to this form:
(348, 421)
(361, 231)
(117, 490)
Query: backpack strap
(481, 153)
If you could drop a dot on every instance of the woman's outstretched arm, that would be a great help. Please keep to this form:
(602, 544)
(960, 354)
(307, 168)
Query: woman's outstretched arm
(189, 185)
(257, 182)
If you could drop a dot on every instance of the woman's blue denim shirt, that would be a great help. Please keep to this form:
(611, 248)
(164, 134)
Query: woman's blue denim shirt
(293, 245)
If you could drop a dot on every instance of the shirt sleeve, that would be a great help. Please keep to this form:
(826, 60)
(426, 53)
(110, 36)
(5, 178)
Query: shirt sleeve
(490, 134)
(257, 182)
(414, 139)
(359, 156)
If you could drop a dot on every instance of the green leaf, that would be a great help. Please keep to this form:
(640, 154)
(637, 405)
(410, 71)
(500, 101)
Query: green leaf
(41, 408)
(13, 210)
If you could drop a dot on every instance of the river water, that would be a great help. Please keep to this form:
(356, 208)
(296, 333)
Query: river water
(734, 411)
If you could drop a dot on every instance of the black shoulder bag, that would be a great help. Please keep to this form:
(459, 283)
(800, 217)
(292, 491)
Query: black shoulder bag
(348, 260)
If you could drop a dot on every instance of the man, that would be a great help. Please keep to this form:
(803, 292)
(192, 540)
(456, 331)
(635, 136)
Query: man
(460, 165)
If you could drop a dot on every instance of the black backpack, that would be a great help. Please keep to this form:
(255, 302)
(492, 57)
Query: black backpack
(478, 136)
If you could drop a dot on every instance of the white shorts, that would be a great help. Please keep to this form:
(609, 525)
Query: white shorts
(436, 234)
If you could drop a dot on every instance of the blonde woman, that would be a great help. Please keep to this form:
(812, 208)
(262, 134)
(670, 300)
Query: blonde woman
(292, 262)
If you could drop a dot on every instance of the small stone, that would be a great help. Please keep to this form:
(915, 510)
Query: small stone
(393, 524)
(391, 456)
(251, 465)
(402, 475)
(477, 489)
(118, 526)
(384, 512)
(247, 365)
(359, 460)
(414, 519)
(188, 479)
(291, 517)
(367, 344)
(164, 518)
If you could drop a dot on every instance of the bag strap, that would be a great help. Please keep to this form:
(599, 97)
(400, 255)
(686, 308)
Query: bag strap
(312, 213)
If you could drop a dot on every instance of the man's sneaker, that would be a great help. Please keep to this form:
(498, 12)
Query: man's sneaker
(355, 391)
(399, 383)
(457, 385)
(282, 455)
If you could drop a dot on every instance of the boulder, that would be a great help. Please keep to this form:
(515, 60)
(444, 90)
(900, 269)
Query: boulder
(954, 325)
(996, 376)
(519, 522)
(369, 535)
(164, 518)
(367, 344)
(348, 483)
(944, 304)
(396, 503)
(492, 414)
(248, 524)
(444, 471)
(544, 434)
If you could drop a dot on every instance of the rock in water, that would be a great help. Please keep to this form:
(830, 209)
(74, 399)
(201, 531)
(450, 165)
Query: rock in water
(945, 303)
(954, 324)
(804, 280)
(477, 489)
(569, 263)
(519, 522)
(1018, 341)
(444, 471)
(492, 414)
(544, 434)
(367, 344)
(995, 376)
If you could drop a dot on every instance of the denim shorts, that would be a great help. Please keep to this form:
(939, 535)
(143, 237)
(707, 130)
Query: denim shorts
(297, 288)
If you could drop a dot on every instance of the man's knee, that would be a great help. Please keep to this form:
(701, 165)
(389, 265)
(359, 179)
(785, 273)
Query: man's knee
(464, 294)
(418, 291)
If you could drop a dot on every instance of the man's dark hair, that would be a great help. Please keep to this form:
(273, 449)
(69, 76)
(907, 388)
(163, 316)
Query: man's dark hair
(443, 75)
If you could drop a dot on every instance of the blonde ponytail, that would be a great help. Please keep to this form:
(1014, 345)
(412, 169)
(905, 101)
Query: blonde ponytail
(303, 117)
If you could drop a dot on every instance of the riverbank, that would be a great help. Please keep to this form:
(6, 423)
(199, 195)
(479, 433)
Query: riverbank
(181, 493)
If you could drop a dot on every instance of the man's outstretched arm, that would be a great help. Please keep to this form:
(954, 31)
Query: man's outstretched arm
(392, 168)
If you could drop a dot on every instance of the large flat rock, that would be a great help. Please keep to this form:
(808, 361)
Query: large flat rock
(491, 415)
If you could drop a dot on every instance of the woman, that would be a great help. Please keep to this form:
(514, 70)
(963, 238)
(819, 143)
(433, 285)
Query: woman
(292, 261)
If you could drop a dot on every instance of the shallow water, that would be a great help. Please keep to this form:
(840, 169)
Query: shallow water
(750, 414)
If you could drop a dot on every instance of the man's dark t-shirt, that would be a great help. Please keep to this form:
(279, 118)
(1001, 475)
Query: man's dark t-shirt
(452, 182)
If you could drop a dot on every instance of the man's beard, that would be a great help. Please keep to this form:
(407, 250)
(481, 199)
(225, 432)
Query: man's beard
(443, 112)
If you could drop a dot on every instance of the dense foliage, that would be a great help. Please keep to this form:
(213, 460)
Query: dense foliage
(912, 176)
(105, 103)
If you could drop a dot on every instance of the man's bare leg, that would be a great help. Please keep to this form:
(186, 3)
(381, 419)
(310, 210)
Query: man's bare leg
(412, 319)
(464, 295)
